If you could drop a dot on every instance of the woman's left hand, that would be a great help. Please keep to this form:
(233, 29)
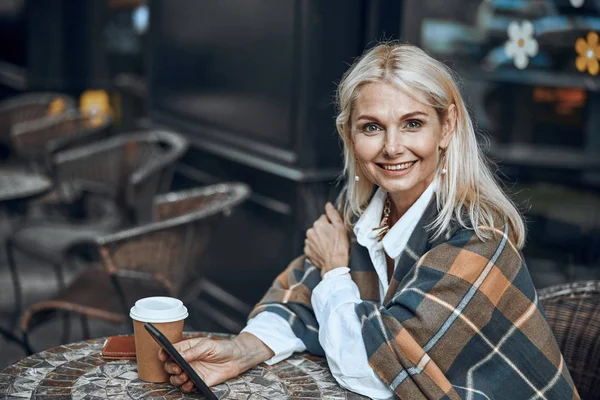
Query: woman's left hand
(327, 244)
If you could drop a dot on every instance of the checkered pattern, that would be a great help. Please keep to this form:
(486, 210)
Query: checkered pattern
(461, 318)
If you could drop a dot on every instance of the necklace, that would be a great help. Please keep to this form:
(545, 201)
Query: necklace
(385, 221)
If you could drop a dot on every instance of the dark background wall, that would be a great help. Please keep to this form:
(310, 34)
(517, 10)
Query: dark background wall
(251, 83)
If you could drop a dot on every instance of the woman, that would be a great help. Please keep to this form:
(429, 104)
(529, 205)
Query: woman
(418, 288)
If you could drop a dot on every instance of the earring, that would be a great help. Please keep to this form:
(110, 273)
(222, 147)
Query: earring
(444, 170)
(356, 178)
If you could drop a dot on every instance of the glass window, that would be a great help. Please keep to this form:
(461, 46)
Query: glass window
(530, 72)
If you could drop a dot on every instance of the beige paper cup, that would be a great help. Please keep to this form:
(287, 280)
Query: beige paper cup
(167, 314)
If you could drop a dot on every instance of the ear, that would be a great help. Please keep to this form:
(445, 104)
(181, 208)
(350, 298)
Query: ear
(448, 127)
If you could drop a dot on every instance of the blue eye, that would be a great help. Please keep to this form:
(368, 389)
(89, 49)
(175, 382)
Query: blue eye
(414, 124)
(370, 128)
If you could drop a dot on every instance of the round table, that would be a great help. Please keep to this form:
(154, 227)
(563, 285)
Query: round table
(16, 184)
(77, 371)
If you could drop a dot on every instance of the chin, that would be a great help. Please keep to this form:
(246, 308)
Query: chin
(401, 183)
(397, 189)
(399, 186)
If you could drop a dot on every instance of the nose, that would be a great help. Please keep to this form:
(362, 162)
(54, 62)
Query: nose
(393, 146)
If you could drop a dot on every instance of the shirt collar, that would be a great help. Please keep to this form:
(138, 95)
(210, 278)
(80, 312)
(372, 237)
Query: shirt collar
(397, 237)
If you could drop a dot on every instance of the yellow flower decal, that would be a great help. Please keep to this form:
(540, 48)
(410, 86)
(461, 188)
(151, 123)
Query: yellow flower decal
(95, 105)
(588, 54)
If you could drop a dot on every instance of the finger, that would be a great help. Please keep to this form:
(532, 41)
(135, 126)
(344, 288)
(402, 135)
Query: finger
(319, 222)
(324, 219)
(172, 368)
(308, 253)
(186, 344)
(310, 241)
(306, 250)
(162, 356)
(312, 254)
(312, 246)
(311, 257)
(178, 380)
(187, 387)
(310, 233)
(334, 216)
(200, 350)
(308, 244)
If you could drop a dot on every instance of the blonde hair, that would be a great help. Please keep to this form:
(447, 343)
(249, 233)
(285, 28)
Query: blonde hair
(469, 184)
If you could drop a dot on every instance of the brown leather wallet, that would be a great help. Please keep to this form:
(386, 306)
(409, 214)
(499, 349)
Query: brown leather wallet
(119, 348)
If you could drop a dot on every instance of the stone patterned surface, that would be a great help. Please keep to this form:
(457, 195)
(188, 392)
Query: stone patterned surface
(77, 371)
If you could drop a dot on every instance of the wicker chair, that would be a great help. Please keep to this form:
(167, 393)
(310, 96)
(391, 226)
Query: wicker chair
(125, 172)
(37, 140)
(149, 260)
(573, 312)
(133, 167)
(30, 106)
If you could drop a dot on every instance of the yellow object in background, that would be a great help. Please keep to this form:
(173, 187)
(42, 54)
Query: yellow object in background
(588, 54)
(56, 107)
(96, 105)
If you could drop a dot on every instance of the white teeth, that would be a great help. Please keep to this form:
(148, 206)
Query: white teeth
(398, 167)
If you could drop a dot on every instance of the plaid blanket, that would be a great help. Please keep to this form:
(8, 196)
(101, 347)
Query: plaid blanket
(461, 318)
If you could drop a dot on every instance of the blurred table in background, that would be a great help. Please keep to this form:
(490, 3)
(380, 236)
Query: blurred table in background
(78, 371)
(18, 185)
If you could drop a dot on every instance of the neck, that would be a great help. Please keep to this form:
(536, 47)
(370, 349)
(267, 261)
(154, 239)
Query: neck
(402, 201)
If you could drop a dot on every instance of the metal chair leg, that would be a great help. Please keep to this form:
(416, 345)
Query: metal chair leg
(85, 326)
(60, 275)
(66, 317)
(9, 336)
(66, 333)
(9, 247)
(27, 345)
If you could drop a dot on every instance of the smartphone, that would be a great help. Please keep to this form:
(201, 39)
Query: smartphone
(164, 343)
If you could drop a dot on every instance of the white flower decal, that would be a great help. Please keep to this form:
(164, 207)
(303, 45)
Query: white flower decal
(577, 3)
(521, 44)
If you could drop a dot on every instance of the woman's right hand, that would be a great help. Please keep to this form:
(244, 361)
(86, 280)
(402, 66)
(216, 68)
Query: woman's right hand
(216, 360)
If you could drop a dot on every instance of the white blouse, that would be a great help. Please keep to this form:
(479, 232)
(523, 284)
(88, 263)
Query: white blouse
(333, 301)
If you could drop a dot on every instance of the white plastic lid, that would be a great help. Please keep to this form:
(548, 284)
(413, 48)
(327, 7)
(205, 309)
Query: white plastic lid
(158, 309)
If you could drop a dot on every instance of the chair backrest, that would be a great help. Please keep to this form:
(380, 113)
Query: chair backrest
(169, 250)
(133, 167)
(153, 168)
(38, 139)
(573, 312)
(30, 106)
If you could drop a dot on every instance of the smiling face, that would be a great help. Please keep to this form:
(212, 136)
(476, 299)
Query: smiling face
(397, 140)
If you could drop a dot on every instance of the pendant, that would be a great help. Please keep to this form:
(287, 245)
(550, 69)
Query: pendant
(385, 224)
(384, 229)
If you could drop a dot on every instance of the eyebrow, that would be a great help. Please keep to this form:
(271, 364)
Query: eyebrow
(405, 116)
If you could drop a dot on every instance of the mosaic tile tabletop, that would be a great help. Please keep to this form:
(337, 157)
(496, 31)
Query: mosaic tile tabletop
(77, 371)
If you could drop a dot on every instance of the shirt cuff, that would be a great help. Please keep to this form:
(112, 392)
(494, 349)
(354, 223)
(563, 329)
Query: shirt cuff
(341, 271)
(336, 288)
(276, 333)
